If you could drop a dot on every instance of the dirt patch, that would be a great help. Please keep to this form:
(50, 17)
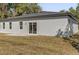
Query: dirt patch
(46, 45)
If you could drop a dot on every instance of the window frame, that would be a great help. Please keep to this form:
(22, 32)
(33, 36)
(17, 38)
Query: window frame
(32, 27)
(21, 24)
(10, 25)
(3, 25)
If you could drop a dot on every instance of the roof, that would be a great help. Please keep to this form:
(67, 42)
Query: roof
(41, 14)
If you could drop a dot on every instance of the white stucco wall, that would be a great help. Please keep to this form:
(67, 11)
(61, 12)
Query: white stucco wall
(74, 25)
(75, 28)
(51, 27)
(15, 28)
(48, 27)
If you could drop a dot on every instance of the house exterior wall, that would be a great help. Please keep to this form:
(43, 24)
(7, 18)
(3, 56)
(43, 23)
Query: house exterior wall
(47, 27)
(74, 25)
(75, 28)
(15, 28)
(52, 26)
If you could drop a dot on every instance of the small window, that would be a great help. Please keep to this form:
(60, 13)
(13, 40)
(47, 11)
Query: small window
(33, 27)
(30, 27)
(3, 25)
(21, 25)
(10, 25)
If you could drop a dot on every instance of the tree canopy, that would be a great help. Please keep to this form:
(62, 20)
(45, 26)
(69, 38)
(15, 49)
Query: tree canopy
(75, 11)
(17, 9)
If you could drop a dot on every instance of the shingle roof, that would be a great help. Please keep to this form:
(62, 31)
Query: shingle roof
(43, 13)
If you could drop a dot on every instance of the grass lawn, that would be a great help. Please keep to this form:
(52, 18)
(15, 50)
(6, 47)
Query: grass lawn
(36, 45)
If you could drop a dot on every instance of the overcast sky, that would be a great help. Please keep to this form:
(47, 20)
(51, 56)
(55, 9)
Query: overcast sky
(57, 6)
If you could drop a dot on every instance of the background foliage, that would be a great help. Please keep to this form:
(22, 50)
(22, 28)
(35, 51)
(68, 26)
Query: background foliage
(13, 9)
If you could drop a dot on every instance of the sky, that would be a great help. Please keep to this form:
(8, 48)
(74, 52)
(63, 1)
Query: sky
(57, 6)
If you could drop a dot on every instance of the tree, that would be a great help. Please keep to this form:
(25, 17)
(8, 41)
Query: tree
(73, 11)
(21, 8)
(63, 11)
(27, 8)
(35, 8)
(11, 9)
(77, 8)
(16, 9)
(3, 10)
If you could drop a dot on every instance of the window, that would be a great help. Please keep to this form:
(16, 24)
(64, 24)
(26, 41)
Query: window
(21, 25)
(30, 27)
(33, 27)
(10, 25)
(3, 25)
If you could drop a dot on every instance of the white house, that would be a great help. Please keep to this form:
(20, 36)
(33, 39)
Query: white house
(44, 23)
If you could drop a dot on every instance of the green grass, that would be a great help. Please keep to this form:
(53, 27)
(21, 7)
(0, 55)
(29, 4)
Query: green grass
(35, 45)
